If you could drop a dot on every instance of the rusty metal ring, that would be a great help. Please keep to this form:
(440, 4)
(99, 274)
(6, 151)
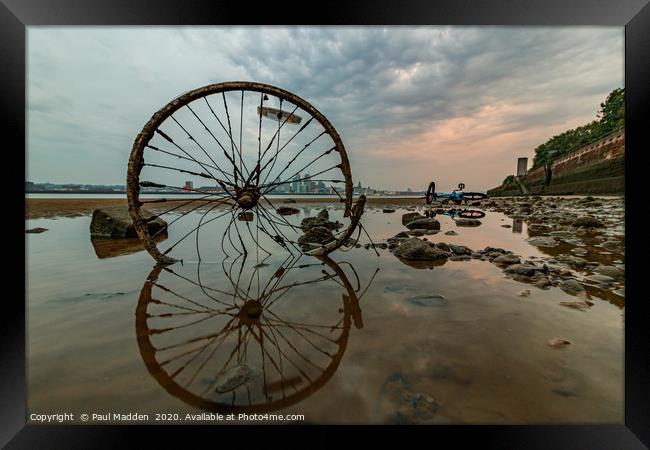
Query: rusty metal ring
(137, 160)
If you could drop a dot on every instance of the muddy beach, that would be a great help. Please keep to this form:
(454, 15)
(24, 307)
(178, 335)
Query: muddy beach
(514, 317)
(36, 208)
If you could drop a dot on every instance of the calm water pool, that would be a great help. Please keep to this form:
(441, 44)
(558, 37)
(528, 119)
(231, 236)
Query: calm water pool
(359, 338)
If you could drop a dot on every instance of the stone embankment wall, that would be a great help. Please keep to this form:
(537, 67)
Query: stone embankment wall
(597, 168)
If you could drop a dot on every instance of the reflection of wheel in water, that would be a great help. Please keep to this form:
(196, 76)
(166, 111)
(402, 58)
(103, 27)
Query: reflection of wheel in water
(232, 144)
(471, 214)
(472, 196)
(238, 349)
(431, 193)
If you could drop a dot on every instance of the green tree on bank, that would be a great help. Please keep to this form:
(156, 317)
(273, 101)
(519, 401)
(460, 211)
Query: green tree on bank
(611, 117)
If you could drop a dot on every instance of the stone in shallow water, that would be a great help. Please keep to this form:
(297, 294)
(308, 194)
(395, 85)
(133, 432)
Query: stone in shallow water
(287, 210)
(460, 249)
(573, 261)
(538, 227)
(427, 224)
(611, 245)
(543, 283)
(562, 234)
(36, 230)
(600, 279)
(611, 271)
(579, 251)
(506, 259)
(558, 343)
(522, 269)
(587, 222)
(428, 300)
(321, 220)
(233, 378)
(417, 249)
(422, 406)
(572, 287)
(315, 235)
(463, 222)
(115, 222)
(579, 306)
(542, 241)
(417, 232)
(451, 233)
(410, 217)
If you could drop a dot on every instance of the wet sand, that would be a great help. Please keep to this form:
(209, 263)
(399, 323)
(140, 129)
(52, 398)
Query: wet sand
(40, 208)
(464, 342)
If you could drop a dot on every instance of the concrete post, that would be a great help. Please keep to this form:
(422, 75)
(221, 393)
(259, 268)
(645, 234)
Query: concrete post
(522, 166)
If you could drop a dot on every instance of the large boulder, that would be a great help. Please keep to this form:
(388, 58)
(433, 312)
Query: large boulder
(410, 217)
(321, 220)
(316, 236)
(420, 250)
(115, 222)
(424, 224)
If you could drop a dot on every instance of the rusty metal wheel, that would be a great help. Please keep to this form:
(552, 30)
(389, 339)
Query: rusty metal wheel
(244, 142)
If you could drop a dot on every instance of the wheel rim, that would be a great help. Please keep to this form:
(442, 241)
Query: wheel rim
(197, 136)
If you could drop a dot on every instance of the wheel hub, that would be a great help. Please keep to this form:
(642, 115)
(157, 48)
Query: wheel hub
(248, 197)
(251, 311)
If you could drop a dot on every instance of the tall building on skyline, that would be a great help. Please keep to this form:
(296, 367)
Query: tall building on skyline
(295, 184)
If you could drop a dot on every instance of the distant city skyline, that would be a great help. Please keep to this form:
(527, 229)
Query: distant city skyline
(315, 187)
(412, 104)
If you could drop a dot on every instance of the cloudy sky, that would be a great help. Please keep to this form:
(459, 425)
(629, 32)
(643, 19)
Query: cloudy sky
(412, 104)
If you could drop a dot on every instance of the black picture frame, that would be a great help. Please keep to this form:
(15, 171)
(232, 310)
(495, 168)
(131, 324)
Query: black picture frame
(634, 15)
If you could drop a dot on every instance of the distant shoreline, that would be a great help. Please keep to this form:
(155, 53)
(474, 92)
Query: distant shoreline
(44, 208)
(95, 192)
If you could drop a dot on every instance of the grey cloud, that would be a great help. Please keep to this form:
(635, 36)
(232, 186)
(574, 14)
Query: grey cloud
(111, 80)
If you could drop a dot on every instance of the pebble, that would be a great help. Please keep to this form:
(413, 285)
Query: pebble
(428, 300)
(506, 259)
(542, 241)
(580, 306)
(558, 343)
(572, 287)
(233, 378)
(36, 230)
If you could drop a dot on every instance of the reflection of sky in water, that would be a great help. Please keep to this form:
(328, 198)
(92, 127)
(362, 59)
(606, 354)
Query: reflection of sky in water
(483, 356)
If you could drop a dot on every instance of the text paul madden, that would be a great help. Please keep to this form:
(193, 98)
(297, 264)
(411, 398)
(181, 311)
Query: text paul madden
(162, 417)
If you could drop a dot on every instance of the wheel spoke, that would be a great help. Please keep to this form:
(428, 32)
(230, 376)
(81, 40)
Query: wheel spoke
(297, 155)
(195, 228)
(232, 161)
